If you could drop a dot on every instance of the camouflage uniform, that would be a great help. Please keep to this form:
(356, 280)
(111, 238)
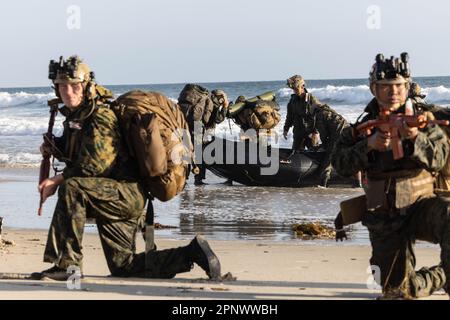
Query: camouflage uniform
(393, 228)
(218, 114)
(308, 116)
(200, 106)
(101, 182)
(443, 179)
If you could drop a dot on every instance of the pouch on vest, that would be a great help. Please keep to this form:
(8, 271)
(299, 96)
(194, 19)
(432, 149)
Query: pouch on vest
(353, 209)
(376, 195)
(148, 146)
(409, 190)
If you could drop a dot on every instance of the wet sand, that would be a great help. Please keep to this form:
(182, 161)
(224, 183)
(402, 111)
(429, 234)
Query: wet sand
(220, 212)
(264, 270)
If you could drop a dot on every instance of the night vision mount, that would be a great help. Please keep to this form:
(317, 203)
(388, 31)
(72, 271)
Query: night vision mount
(393, 67)
(68, 67)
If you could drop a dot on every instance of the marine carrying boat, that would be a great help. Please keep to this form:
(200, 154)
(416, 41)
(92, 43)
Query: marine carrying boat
(300, 169)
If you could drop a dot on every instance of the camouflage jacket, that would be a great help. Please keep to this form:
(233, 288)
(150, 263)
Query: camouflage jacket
(92, 146)
(299, 109)
(218, 115)
(308, 116)
(429, 150)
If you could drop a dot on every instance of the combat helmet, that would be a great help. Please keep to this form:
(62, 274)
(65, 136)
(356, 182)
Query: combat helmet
(219, 96)
(296, 81)
(74, 70)
(240, 99)
(416, 90)
(390, 71)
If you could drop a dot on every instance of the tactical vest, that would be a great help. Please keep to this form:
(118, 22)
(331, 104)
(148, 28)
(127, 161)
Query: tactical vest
(399, 189)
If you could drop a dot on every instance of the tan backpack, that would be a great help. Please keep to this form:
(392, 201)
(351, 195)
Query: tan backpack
(158, 138)
(259, 115)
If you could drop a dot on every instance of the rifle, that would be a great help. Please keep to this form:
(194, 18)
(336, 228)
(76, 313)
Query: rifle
(44, 172)
(391, 123)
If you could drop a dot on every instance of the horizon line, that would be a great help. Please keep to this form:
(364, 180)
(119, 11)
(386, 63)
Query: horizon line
(211, 82)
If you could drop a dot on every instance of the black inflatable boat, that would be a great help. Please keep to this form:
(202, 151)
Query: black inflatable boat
(294, 170)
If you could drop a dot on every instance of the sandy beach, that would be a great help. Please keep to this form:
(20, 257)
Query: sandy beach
(264, 270)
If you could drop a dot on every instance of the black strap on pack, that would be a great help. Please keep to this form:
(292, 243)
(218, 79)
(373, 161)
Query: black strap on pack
(149, 233)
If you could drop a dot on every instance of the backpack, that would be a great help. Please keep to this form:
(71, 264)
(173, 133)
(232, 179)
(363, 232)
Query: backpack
(157, 137)
(196, 104)
(260, 114)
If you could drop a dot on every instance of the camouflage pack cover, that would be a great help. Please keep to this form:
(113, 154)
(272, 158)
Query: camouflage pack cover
(258, 115)
(172, 128)
(196, 104)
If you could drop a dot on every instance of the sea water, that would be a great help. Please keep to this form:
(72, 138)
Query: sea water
(218, 211)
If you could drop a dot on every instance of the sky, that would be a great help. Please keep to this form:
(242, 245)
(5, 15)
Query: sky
(178, 41)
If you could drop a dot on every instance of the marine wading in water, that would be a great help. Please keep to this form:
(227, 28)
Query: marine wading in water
(316, 126)
(401, 151)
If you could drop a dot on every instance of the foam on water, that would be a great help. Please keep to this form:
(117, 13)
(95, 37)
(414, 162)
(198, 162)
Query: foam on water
(24, 114)
(13, 126)
(21, 158)
(24, 98)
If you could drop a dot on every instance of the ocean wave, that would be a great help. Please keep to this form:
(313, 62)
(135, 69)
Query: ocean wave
(13, 126)
(362, 95)
(20, 159)
(437, 94)
(23, 98)
(338, 94)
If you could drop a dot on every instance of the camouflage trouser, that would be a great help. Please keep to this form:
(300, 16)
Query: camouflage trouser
(392, 238)
(325, 167)
(298, 140)
(118, 210)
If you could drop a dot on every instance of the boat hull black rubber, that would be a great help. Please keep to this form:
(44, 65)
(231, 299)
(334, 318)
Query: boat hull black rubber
(295, 170)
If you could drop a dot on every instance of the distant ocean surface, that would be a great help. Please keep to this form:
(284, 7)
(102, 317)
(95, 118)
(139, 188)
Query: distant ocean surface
(24, 112)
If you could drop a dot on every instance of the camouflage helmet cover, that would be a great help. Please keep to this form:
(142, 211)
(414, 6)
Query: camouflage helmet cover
(240, 99)
(72, 70)
(219, 93)
(390, 71)
(296, 81)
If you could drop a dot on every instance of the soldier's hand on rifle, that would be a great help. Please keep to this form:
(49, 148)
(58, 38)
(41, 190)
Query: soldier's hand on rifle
(407, 132)
(380, 141)
(49, 186)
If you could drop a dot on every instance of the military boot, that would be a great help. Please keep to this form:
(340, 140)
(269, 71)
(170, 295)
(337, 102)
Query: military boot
(324, 182)
(356, 183)
(395, 294)
(198, 181)
(201, 253)
(54, 273)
